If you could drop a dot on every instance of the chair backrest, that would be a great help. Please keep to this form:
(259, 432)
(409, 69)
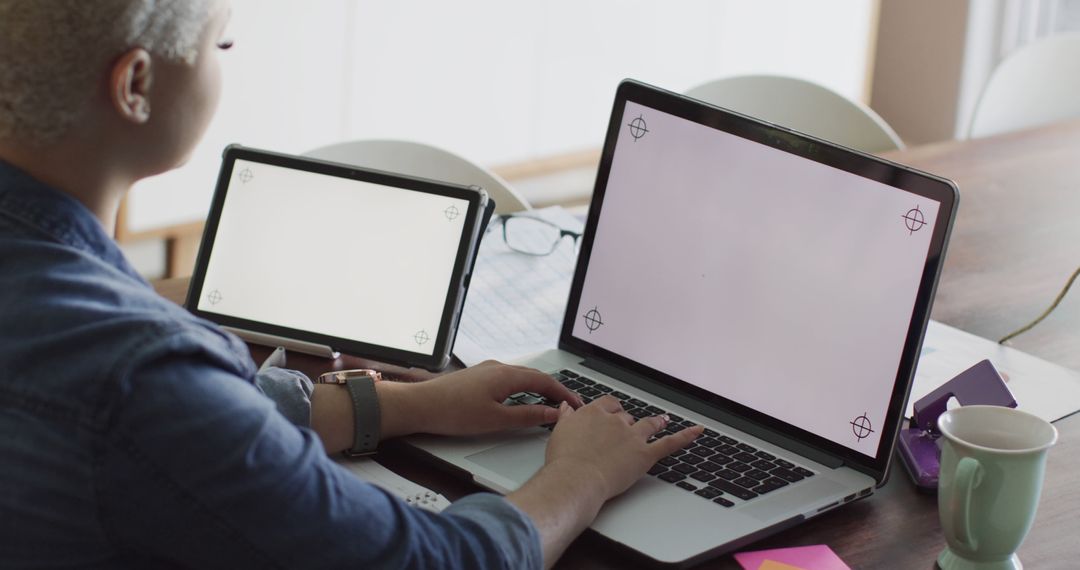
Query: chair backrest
(804, 106)
(1036, 85)
(425, 161)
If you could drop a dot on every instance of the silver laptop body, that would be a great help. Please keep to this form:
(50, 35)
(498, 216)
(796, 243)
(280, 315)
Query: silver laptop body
(766, 284)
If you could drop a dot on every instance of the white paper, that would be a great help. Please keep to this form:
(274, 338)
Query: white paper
(516, 302)
(1045, 389)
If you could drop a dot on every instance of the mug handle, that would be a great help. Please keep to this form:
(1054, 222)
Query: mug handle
(968, 477)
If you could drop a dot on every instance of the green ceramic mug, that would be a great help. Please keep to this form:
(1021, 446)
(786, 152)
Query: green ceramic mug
(992, 465)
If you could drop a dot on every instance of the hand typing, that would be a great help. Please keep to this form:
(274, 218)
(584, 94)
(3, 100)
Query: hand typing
(470, 401)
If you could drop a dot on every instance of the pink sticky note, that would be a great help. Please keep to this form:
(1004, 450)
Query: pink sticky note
(817, 557)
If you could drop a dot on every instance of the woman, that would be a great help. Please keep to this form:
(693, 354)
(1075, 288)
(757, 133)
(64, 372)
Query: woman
(137, 435)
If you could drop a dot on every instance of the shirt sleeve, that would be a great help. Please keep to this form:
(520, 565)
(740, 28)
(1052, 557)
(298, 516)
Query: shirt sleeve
(290, 390)
(201, 470)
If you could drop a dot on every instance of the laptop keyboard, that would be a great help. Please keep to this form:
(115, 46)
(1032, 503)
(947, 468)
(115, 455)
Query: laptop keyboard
(715, 466)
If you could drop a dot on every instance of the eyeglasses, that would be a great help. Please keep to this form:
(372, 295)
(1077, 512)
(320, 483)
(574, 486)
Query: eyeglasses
(533, 236)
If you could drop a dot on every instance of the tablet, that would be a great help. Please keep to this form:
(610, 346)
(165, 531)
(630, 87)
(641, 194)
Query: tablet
(326, 258)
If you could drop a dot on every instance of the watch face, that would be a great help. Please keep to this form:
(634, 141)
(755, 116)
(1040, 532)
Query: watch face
(341, 376)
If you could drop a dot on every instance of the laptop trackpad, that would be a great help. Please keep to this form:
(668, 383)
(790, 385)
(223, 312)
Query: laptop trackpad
(517, 461)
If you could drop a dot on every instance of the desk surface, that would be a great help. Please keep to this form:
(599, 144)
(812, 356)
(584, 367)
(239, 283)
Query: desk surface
(1016, 240)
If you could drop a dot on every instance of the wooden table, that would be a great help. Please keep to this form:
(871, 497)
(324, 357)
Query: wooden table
(1016, 240)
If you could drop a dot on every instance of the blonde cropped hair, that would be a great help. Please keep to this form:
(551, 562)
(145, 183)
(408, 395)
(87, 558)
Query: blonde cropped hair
(55, 53)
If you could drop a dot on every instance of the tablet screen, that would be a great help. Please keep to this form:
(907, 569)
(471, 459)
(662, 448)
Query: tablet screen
(334, 256)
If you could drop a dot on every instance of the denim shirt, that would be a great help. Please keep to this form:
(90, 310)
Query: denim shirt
(132, 434)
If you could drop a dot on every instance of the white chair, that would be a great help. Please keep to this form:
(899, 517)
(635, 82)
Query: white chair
(1036, 85)
(425, 161)
(804, 106)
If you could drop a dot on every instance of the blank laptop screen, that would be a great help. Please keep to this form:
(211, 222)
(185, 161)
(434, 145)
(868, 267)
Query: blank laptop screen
(771, 280)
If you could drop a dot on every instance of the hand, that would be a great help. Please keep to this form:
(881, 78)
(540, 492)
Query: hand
(470, 401)
(595, 453)
(603, 441)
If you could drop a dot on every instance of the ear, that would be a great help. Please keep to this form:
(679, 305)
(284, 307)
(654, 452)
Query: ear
(129, 85)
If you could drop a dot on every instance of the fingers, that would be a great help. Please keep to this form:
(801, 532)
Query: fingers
(608, 403)
(521, 379)
(650, 425)
(670, 444)
(532, 415)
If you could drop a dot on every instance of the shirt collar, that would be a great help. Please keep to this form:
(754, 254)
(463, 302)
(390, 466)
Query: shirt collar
(57, 216)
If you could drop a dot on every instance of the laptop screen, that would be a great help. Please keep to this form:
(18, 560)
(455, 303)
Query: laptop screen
(771, 280)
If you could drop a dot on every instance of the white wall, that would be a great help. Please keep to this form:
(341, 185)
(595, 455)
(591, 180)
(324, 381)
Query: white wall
(494, 80)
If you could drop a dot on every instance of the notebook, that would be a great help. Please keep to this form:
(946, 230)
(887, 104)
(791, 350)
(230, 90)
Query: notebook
(769, 285)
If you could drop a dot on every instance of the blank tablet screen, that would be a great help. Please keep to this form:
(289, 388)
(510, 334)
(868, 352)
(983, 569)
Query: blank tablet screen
(334, 256)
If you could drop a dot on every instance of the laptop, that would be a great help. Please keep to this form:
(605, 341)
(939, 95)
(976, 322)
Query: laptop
(767, 284)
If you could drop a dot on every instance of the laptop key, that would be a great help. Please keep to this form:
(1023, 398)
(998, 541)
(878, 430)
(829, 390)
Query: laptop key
(723, 501)
(729, 487)
(708, 492)
(637, 403)
(589, 391)
(745, 457)
(721, 459)
(738, 466)
(776, 481)
(728, 474)
(678, 453)
(786, 475)
(692, 459)
(702, 476)
(569, 373)
(803, 471)
(767, 487)
(708, 441)
(668, 461)
(782, 463)
(728, 450)
(746, 482)
(657, 469)
(586, 380)
(638, 413)
(653, 410)
(675, 417)
(671, 476)
(602, 388)
(710, 466)
(685, 485)
(728, 440)
(765, 455)
(757, 474)
(620, 395)
(573, 385)
(702, 451)
(747, 448)
(710, 433)
(764, 465)
(684, 468)
(675, 428)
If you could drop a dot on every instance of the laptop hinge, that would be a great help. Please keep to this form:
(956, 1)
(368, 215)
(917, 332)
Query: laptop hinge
(708, 410)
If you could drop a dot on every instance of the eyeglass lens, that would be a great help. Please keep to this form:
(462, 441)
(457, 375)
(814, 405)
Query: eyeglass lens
(530, 235)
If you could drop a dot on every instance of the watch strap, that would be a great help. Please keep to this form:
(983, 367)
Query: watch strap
(366, 415)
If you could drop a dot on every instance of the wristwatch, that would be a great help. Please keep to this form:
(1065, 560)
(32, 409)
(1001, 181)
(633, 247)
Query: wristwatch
(361, 386)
